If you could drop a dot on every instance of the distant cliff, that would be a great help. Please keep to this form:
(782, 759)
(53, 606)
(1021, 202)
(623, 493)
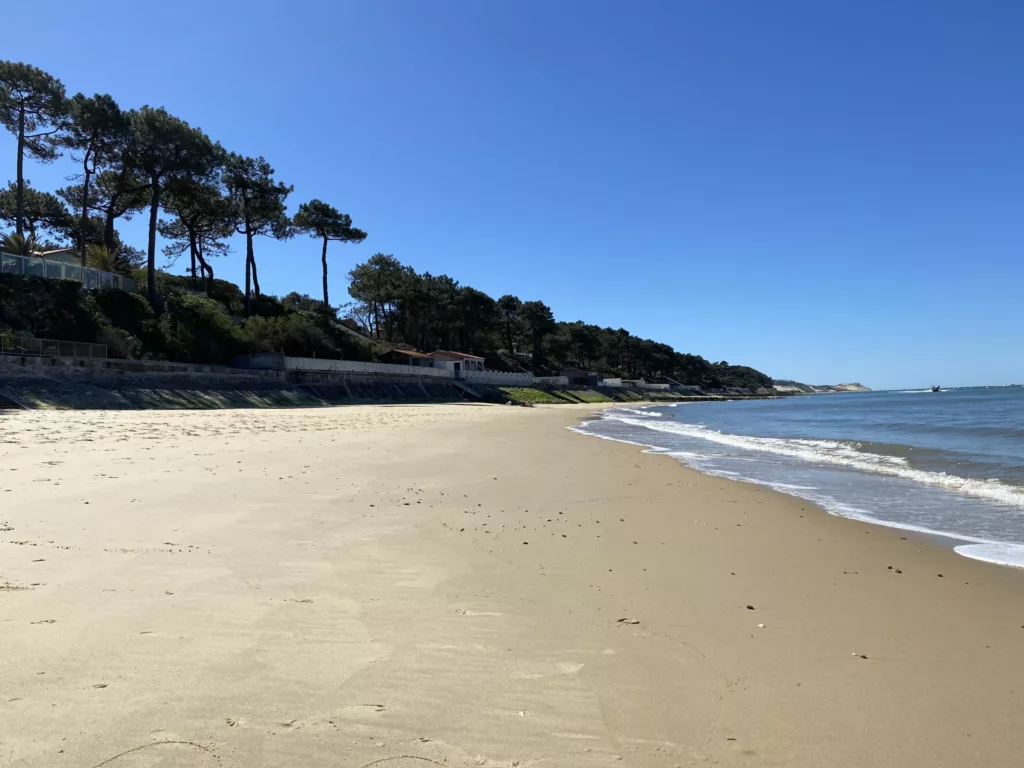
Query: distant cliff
(794, 387)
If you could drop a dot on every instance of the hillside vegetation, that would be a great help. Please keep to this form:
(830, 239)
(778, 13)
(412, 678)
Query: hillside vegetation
(199, 197)
(187, 328)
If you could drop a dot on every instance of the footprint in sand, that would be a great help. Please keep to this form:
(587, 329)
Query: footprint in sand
(169, 753)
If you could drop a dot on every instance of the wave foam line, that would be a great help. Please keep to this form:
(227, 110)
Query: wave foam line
(841, 454)
(994, 552)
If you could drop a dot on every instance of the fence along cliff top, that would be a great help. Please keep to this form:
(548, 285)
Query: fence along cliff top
(10, 264)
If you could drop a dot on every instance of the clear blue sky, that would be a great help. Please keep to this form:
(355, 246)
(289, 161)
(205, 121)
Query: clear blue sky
(826, 191)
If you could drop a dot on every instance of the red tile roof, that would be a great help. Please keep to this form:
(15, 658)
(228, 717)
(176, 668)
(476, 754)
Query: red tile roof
(441, 354)
(408, 353)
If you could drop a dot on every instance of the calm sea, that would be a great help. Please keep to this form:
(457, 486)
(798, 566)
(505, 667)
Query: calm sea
(948, 463)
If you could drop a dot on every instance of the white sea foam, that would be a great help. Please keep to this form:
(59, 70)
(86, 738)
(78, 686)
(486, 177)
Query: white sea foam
(994, 552)
(639, 412)
(998, 552)
(840, 454)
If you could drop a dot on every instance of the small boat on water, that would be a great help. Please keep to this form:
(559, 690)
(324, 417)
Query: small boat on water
(936, 388)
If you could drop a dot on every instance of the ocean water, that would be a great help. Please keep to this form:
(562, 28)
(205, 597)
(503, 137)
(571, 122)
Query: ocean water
(949, 463)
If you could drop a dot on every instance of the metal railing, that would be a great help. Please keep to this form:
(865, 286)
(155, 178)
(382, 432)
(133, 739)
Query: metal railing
(10, 264)
(26, 347)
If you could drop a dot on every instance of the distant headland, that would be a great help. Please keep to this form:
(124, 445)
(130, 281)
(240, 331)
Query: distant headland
(786, 386)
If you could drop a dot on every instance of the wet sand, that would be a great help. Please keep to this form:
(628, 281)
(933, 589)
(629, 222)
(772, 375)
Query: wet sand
(467, 586)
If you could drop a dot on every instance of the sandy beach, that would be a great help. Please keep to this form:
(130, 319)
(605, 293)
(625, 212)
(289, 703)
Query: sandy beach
(467, 586)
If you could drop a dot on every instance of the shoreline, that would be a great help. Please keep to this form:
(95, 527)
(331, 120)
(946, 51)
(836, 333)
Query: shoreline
(989, 550)
(349, 585)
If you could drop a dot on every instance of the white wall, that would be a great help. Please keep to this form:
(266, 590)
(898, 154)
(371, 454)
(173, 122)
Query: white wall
(354, 366)
(450, 364)
(649, 385)
(553, 381)
(611, 382)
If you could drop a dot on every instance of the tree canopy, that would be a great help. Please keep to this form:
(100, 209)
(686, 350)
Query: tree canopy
(33, 108)
(259, 203)
(318, 219)
(166, 148)
(94, 130)
(42, 214)
(395, 303)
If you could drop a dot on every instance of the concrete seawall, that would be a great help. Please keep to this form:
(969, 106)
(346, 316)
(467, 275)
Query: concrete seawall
(120, 384)
(51, 382)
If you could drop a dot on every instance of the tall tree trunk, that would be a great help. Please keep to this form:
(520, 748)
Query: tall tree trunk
(248, 270)
(323, 260)
(83, 220)
(111, 212)
(154, 210)
(206, 268)
(255, 275)
(192, 252)
(108, 224)
(20, 208)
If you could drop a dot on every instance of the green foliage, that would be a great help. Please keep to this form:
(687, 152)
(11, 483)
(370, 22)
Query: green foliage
(267, 306)
(95, 129)
(230, 295)
(227, 293)
(259, 199)
(166, 148)
(725, 375)
(204, 220)
(379, 286)
(116, 191)
(529, 395)
(121, 344)
(99, 257)
(318, 219)
(33, 108)
(41, 211)
(294, 335)
(128, 311)
(509, 308)
(49, 309)
(539, 322)
(19, 245)
(199, 330)
(259, 206)
(304, 302)
(434, 312)
(589, 396)
(32, 100)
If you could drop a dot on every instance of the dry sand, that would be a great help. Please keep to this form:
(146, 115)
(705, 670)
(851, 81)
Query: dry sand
(401, 587)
